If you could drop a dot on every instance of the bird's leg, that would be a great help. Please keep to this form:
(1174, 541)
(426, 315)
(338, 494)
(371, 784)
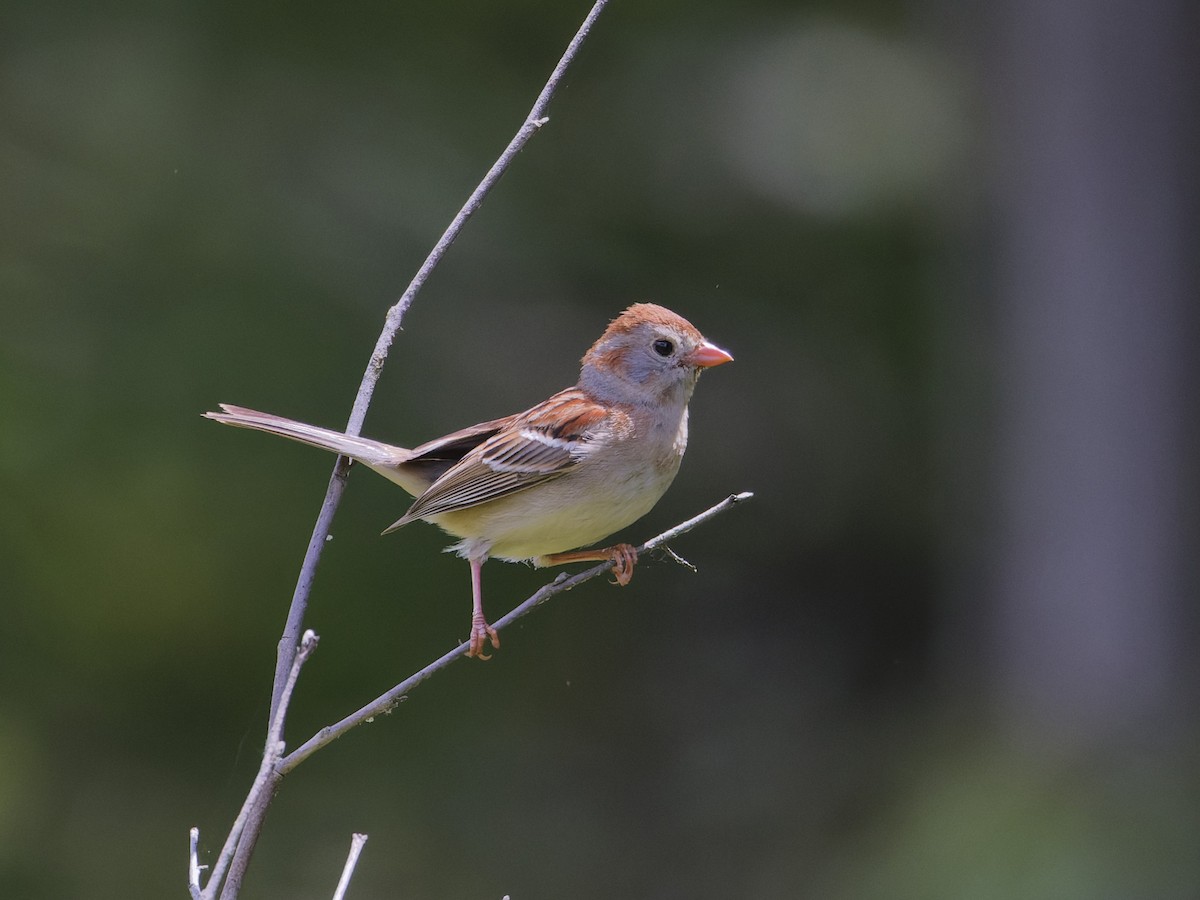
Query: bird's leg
(480, 629)
(622, 556)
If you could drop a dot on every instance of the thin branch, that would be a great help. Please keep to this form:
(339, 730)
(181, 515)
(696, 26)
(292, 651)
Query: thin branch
(245, 831)
(286, 649)
(386, 702)
(194, 866)
(395, 316)
(239, 845)
(366, 389)
(356, 847)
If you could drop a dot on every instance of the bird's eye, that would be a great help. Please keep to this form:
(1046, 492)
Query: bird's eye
(663, 347)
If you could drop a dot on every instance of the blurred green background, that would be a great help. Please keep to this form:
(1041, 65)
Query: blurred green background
(948, 651)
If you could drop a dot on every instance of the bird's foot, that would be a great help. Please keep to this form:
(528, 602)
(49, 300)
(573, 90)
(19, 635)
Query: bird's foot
(624, 558)
(482, 632)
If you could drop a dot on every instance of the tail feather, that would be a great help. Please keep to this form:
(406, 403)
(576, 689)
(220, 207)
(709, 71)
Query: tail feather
(382, 458)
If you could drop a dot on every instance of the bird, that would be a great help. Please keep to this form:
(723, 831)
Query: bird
(565, 474)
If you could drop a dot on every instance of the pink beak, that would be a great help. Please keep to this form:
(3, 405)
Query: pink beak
(708, 355)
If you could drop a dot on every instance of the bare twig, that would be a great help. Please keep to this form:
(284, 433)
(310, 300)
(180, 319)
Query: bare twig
(356, 846)
(194, 866)
(366, 389)
(244, 833)
(239, 845)
(386, 702)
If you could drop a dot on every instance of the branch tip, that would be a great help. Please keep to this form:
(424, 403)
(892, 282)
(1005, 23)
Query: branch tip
(194, 867)
(676, 558)
(357, 841)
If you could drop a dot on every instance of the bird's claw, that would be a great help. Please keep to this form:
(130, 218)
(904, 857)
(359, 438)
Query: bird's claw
(482, 632)
(624, 558)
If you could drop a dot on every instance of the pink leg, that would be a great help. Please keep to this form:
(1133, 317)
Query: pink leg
(480, 629)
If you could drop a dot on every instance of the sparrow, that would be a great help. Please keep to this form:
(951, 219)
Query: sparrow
(538, 485)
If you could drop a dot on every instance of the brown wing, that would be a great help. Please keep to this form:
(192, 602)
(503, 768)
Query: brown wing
(534, 446)
(434, 458)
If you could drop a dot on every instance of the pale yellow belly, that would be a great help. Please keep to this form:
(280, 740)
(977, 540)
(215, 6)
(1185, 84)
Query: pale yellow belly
(555, 516)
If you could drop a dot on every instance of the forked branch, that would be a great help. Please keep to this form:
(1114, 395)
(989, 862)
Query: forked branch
(387, 701)
(366, 389)
(244, 834)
